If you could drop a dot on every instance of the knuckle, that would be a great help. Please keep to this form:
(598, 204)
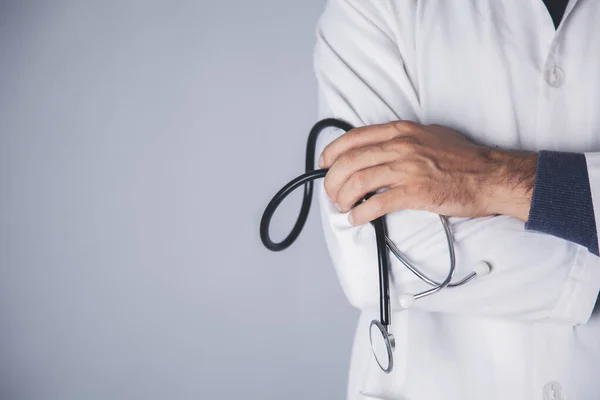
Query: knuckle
(404, 143)
(353, 135)
(411, 140)
(396, 145)
(390, 145)
(360, 180)
(347, 159)
(393, 168)
(385, 147)
(406, 126)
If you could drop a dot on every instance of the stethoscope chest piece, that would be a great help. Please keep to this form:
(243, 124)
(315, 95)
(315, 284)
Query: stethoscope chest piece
(382, 344)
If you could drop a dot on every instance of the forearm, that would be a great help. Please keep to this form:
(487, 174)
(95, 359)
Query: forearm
(510, 183)
(548, 190)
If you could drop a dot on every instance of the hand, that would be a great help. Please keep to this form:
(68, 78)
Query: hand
(425, 167)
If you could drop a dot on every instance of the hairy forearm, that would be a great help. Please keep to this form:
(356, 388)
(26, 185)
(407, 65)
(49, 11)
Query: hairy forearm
(511, 179)
(548, 190)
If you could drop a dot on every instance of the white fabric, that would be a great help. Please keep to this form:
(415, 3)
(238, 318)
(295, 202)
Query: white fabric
(498, 72)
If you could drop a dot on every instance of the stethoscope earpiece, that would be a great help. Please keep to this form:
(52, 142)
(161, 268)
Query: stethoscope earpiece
(482, 268)
(406, 300)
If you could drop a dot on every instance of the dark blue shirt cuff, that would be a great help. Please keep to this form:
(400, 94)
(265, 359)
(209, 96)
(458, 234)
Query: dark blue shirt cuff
(561, 203)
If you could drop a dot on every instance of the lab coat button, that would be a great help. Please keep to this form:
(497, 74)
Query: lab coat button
(554, 76)
(553, 391)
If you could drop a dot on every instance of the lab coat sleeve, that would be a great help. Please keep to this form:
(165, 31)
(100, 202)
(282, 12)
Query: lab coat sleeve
(361, 79)
(365, 67)
(561, 203)
(593, 167)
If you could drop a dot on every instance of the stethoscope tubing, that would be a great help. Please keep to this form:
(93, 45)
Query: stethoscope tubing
(305, 179)
(378, 224)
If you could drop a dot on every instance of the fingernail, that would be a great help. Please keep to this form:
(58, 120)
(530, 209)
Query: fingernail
(350, 219)
(321, 161)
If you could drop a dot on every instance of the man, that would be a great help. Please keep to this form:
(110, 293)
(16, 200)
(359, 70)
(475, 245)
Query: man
(485, 111)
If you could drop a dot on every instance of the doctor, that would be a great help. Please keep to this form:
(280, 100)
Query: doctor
(489, 112)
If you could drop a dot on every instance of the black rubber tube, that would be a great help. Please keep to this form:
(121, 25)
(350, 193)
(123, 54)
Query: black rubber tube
(306, 180)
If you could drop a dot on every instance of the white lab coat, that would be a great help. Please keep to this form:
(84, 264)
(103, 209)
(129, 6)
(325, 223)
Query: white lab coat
(498, 72)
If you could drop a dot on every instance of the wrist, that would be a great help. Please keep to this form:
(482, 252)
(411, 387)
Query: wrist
(510, 182)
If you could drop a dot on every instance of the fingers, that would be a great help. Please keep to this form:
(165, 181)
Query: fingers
(365, 136)
(353, 161)
(380, 204)
(366, 181)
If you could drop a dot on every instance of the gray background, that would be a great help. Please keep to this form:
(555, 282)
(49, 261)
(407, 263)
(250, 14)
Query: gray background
(139, 144)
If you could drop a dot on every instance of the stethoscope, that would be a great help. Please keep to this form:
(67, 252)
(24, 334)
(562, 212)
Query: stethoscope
(381, 339)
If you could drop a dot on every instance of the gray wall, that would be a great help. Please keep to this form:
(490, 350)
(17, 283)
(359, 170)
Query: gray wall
(139, 144)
